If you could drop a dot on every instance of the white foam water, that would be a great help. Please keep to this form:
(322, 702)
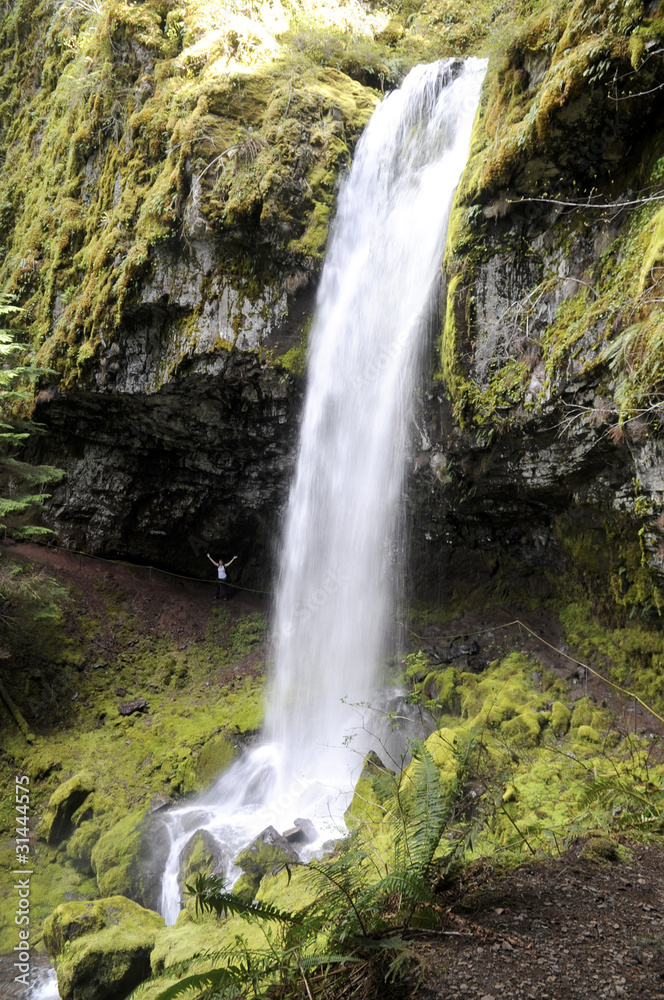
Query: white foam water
(339, 571)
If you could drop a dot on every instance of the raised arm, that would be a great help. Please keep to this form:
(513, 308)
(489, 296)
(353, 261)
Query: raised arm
(231, 560)
(213, 561)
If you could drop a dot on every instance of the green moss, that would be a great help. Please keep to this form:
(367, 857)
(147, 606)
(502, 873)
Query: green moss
(560, 718)
(632, 654)
(102, 948)
(603, 850)
(589, 734)
(197, 707)
(80, 845)
(372, 791)
(524, 728)
(115, 857)
(188, 936)
(121, 123)
(544, 97)
(500, 694)
(294, 359)
(59, 819)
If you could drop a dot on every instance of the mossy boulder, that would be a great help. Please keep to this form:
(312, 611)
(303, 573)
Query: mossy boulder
(375, 784)
(129, 859)
(246, 887)
(589, 733)
(560, 718)
(582, 714)
(502, 694)
(267, 854)
(59, 819)
(201, 853)
(102, 948)
(603, 850)
(441, 688)
(188, 936)
(80, 845)
(525, 727)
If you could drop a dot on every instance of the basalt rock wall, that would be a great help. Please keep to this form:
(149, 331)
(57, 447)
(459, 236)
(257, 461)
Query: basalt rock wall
(539, 459)
(166, 255)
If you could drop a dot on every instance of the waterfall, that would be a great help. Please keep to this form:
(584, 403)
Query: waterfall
(338, 572)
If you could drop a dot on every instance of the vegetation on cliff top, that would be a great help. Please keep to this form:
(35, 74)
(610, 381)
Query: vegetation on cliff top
(128, 129)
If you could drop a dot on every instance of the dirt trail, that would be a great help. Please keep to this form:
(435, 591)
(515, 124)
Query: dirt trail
(566, 929)
(162, 601)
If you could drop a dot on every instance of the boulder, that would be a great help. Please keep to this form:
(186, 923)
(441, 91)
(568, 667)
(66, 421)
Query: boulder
(136, 705)
(560, 718)
(129, 859)
(303, 832)
(201, 853)
(59, 821)
(102, 947)
(374, 787)
(80, 845)
(266, 854)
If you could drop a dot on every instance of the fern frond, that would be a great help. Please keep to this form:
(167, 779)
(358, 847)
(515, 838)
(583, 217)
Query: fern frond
(613, 791)
(200, 984)
(209, 893)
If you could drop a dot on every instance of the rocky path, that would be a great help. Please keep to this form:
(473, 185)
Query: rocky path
(565, 929)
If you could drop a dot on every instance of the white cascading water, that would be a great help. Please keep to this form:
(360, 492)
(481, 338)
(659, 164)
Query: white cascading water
(338, 576)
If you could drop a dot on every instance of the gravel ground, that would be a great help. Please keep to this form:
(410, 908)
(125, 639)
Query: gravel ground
(564, 929)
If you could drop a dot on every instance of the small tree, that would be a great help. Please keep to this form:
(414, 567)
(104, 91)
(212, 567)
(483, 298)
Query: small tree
(21, 484)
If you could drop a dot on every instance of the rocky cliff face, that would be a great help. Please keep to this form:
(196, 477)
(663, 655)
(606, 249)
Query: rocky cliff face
(167, 246)
(540, 453)
(169, 175)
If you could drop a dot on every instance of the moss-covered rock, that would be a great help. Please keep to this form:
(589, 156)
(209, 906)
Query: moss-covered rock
(128, 859)
(80, 845)
(188, 936)
(247, 886)
(373, 788)
(443, 745)
(603, 849)
(267, 854)
(58, 821)
(560, 718)
(215, 756)
(589, 733)
(201, 854)
(102, 948)
(524, 728)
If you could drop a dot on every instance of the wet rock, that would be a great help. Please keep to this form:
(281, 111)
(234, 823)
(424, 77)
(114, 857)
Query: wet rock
(201, 854)
(304, 832)
(267, 854)
(450, 651)
(308, 829)
(129, 858)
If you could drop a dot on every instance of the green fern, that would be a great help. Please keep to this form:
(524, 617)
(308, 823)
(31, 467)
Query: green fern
(210, 894)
